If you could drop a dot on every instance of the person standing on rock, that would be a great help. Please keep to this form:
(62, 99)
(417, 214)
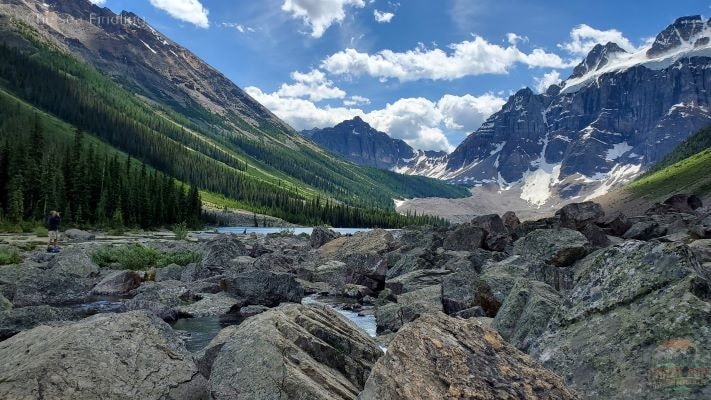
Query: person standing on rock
(53, 228)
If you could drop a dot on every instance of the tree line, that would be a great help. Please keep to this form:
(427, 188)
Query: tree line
(89, 186)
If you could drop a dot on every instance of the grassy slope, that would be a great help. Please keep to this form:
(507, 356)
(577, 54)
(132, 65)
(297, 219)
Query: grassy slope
(690, 175)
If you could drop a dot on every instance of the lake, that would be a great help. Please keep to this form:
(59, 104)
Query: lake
(297, 231)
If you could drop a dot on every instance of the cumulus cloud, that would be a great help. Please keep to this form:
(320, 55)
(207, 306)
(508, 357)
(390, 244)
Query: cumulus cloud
(319, 15)
(545, 81)
(355, 101)
(383, 17)
(313, 85)
(467, 58)
(191, 11)
(584, 37)
(418, 121)
(467, 113)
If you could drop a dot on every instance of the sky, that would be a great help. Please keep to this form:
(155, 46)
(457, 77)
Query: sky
(428, 72)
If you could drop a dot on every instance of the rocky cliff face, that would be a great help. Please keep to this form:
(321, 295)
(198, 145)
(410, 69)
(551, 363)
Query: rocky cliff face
(358, 142)
(617, 114)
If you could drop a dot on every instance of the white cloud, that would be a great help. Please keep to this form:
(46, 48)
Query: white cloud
(467, 58)
(383, 17)
(584, 37)
(319, 14)
(241, 28)
(467, 113)
(545, 81)
(514, 39)
(418, 121)
(313, 85)
(356, 100)
(191, 11)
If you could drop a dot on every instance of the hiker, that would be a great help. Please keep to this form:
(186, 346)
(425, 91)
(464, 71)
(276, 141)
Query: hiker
(53, 228)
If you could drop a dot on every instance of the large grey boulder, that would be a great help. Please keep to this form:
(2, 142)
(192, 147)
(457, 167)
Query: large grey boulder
(263, 288)
(74, 261)
(363, 255)
(526, 311)
(217, 255)
(322, 235)
(32, 285)
(392, 316)
(556, 247)
(292, 352)
(16, 320)
(108, 356)
(465, 290)
(441, 357)
(77, 235)
(636, 311)
(416, 280)
(466, 237)
(172, 272)
(578, 215)
(209, 304)
(161, 298)
(118, 283)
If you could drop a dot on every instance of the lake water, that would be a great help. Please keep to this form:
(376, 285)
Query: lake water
(297, 231)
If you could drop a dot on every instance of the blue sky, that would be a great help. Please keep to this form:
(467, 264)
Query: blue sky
(425, 71)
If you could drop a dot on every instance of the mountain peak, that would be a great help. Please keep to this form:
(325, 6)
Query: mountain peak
(683, 30)
(598, 57)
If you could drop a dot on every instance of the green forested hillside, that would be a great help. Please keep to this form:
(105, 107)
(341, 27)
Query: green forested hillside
(291, 183)
(694, 144)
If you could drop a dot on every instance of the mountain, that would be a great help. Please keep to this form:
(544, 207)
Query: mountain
(358, 142)
(120, 80)
(617, 115)
(684, 170)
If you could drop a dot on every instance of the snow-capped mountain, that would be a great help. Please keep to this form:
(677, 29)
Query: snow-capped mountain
(617, 114)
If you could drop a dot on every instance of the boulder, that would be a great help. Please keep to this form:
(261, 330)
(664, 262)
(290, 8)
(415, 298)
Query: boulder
(702, 228)
(636, 311)
(474, 312)
(16, 320)
(161, 298)
(322, 235)
(219, 251)
(74, 261)
(107, 356)
(356, 291)
(77, 235)
(263, 288)
(526, 311)
(595, 235)
(616, 224)
(684, 202)
(172, 272)
(363, 255)
(578, 215)
(645, 230)
(416, 280)
(556, 247)
(702, 250)
(209, 305)
(492, 224)
(465, 237)
(29, 285)
(251, 311)
(5, 304)
(440, 357)
(206, 357)
(510, 220)
(291, 352)
(465, 290)
(118, 283)
(392, 316)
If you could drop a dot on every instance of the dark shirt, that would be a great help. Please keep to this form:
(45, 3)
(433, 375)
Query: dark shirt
(53, 223)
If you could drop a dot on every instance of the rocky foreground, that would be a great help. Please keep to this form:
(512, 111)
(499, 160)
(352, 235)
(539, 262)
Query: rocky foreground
(580, 305)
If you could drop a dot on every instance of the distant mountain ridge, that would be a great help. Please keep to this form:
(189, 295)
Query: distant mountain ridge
(614, 117)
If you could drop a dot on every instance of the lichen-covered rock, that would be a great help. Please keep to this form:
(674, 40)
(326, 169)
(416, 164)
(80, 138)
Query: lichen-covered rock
(616, 224)
(74, 261)
(363, 255)
(511, 220)
(557, 247)
(218, 252)
(291, 352)
(465, 290)
(263, 288)
(209, 305)
(118, 283)
(392, 316)
(645, 230)
(108, 356)
(440, 357)
(628, 302)
(31, 285)
(172, 272)
(492, 224)
(525, 313)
